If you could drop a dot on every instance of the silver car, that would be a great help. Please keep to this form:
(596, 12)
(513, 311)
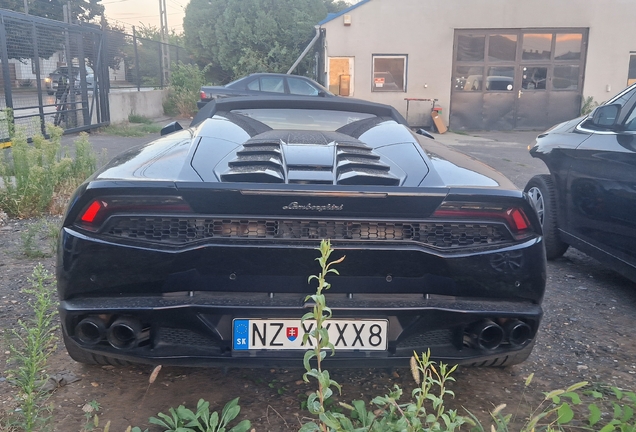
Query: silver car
(51, 82)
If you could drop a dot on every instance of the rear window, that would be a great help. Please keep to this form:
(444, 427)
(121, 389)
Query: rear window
(303, 119)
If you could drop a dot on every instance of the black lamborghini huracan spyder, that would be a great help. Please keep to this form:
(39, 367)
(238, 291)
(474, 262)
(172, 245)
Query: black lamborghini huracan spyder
(195, 249)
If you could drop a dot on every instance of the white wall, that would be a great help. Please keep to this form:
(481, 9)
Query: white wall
(146, 103)
(424, 29)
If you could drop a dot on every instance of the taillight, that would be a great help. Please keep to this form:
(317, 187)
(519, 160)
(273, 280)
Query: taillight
(100, 209)
(203, 95)
(514, 217)
(91, 212)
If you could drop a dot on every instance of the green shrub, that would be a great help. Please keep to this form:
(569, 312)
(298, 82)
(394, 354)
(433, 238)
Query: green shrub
(185, 83)
(39, 178)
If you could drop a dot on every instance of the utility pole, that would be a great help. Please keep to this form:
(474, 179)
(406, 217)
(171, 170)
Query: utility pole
(165, 49)
(26, 7)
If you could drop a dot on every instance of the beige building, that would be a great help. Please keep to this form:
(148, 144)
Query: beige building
(491, 64)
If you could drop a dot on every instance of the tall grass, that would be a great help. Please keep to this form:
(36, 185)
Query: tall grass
(39, 178)
(34, 344)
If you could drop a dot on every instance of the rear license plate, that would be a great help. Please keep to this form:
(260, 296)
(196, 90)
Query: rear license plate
(287, 334)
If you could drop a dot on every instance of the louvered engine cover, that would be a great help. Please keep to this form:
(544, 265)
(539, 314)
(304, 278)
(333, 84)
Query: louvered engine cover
(309, 158)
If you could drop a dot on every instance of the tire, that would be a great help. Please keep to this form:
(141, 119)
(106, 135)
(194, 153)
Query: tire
(542, 193)
(83, 356)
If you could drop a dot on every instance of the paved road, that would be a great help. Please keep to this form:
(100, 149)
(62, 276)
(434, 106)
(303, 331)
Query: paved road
(507, 152)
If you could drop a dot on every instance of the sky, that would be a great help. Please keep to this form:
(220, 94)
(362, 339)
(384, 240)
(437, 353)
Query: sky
(134, 12)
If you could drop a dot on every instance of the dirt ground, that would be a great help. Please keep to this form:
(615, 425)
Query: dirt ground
(586, 334)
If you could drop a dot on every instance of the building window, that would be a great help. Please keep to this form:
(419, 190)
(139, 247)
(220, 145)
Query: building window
(537, 46)
(471, 47)
(631, 75)
(389, 73)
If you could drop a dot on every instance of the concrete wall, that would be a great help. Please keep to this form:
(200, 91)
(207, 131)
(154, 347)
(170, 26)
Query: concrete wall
(424, 29)
(148, 103)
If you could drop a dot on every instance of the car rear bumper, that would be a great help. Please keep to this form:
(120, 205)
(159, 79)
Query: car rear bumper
(195, 328)
(181, 303)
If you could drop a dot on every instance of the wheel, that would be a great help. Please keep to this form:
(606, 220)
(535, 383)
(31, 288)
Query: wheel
(542, 193)
(82, 356)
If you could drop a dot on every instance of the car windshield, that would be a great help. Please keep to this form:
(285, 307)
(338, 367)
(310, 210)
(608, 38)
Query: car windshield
(303, 119)
(313, 83)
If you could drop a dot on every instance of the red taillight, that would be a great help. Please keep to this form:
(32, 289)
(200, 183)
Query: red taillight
(91, 212)
(99, 210)
(519, 219)
(514, 217)
(203, 95)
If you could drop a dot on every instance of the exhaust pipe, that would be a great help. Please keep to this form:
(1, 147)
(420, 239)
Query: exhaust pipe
(518, 332)
(126, 333)
(90, 331)
(485, 335)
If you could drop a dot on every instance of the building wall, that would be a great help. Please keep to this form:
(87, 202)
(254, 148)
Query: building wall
(148, 103)
(424, 30)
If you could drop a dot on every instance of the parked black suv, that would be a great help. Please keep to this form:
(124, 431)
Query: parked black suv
(589, 198)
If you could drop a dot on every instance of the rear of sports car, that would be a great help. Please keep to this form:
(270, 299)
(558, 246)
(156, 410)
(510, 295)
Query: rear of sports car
(196, 249)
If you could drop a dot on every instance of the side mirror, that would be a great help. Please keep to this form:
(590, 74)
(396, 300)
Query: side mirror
(425, 133)
(606, 115)
(171, 127)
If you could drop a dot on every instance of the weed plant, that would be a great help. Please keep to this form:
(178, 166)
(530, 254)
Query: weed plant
(184, 420)
(424, 412)
(40, 178)
(34, 343)
(136, 118)
(36, 232)
(131, 130)
(588, 104)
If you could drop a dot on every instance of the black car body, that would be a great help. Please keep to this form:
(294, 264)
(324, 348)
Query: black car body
(264, 84)
(195, 249)
(589, 199)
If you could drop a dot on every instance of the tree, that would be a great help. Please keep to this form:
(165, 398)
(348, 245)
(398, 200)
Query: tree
(334, 6)
(82, 10)
(239, 37)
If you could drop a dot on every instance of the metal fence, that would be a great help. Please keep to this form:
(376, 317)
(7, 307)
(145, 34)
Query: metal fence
(62, 74)
(137, 61)
(52, 73)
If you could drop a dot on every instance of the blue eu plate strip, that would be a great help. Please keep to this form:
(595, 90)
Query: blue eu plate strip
(241, 334)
